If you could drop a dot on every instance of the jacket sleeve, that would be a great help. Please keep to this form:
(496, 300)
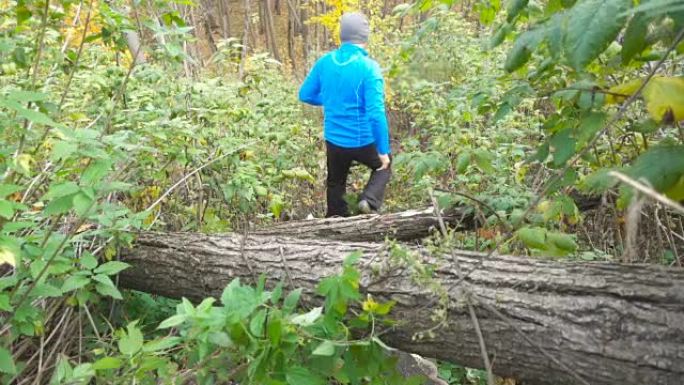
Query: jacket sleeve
(374, 97)
(310, 91)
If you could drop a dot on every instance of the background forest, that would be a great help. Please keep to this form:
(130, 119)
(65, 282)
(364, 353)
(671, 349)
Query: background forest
(557, 125)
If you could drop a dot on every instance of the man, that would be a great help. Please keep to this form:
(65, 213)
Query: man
(349, 86)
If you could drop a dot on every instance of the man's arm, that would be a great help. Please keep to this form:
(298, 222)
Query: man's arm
(374, 96)
(310, 91)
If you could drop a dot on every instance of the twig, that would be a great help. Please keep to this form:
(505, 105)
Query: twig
(92, 322)
(483, 347)
(592, 90)
(243, 241)
(648, 191)
(443, 228)
(193, 172)
(287, 269)
(481, 203)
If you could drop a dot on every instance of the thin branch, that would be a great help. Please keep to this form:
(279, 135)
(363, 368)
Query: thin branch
(648, 191)
(193, 172)
(483, 347)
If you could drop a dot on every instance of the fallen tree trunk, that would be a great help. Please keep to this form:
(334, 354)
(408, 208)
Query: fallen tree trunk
(402, 226)
(609, 323)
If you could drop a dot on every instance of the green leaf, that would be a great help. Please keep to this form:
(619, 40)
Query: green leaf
(352, 258)
(63, 150)
(75, 282)
(26, 96)
(462, 161)
(106, 287)
(28, 114)
(326, 348)
(256, 325)
(276, 205)
(8, 189)
(291, 300)
(384, 308)
(634, 41)
(111, 268)
(562, 241)
(532, 237)
(205, 305)
(5, 303)
(161, 344)
(46, 290)
(499, 35)
(590, 125)
(523, 47)
(514, 8)
(60, 205)
(61, 190)
(484, 159)
(132, 341)
(562, 146)
(107, 363)
(82, 203)
(96, 171)
(277, 293)
(6, 209)
(88, 261)
(274, 328)
(307, 319)
(662, 166)
(83, 372)
(6, 362)
(240, 301)
(220, 338)
(297, 375)
(172, 321)
(62, 372)
(592, 25)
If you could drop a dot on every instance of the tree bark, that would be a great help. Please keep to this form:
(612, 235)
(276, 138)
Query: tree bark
(223, 10)
(609, 324)
(245, 38)
(402, 226)
(134, 46)
(270, 31)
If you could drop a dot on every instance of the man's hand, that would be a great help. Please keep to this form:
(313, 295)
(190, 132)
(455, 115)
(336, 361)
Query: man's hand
(385, 159)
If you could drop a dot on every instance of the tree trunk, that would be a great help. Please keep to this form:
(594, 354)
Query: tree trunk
(608, 324)
(245, 39)
(270, 31)
(306, 34)
(134, 46)
(402, 226)
(291, 42)
(223, 9)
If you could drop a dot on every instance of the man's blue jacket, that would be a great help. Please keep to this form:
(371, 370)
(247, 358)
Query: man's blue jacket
(349, 86)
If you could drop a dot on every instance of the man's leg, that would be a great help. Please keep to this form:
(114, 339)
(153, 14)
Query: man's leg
(374, 192)
(338, 162)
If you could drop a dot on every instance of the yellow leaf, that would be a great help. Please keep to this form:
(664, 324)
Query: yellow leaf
(676, 192)
(626, 89)
(7, 256)
(369, 305)
(664, 96)
(23, 163)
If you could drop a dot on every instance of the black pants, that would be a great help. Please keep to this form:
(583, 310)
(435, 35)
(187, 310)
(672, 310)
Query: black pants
(339, 161)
